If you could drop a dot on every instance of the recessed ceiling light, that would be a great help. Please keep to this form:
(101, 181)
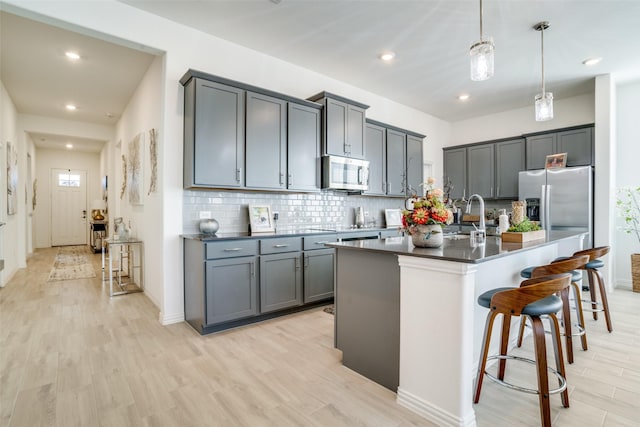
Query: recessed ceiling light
(69, 145)
(591, 61)
(70, 107)
(72, 55)
(387, 56)
(463, 97)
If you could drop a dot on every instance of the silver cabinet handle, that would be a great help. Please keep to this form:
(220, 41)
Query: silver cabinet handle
(232, 249)
(281, 178)
(321, 243)
(280, 246)
(238, 172)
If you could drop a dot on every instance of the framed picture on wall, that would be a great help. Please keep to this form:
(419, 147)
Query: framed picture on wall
(261, 219)
(393, 218)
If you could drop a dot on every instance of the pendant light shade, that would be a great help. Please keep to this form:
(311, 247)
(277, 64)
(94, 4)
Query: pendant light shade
(544, 100)
(481, 56)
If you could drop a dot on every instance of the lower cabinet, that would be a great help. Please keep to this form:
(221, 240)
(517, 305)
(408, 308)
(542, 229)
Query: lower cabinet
(231, 289)
(318, 275)
(280, 281)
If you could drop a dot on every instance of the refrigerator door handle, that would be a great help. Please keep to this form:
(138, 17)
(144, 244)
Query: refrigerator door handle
(544, 207)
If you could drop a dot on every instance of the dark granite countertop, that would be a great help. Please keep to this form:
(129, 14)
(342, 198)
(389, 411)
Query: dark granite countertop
(284, 233)
(454, 249)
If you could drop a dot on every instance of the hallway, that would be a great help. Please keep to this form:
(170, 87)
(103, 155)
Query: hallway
(70, 355)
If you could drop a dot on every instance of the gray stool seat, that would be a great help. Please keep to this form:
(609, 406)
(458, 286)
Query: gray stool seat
(596, 263)
(576, 275)
(547, 305)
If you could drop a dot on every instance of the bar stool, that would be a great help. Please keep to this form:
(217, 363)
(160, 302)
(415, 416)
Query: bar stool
(534, 298)
(570, 265)
(592, 271)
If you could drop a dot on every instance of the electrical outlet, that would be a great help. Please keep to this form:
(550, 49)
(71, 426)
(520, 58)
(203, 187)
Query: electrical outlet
(205, 214)
(276, 216)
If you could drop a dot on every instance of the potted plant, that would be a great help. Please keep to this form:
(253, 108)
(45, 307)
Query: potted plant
(425, 220)
(629, 207)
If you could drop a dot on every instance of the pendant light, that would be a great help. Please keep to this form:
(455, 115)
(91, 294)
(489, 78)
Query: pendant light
(481, 55)
(544, 100)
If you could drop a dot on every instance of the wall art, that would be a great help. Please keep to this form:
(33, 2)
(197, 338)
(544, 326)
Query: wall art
(153, 157)
(12, 179)
(135, 169)
(124, 177)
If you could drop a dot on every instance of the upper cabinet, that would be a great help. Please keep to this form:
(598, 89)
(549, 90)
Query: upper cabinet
(343, 126)
(455, 171)
(510, 156)
(395, 160)
(577, 143)
(213, 135)
(241, 136)
(481, 170)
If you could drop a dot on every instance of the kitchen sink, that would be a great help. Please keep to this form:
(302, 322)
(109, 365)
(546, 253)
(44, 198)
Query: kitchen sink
(456, 236)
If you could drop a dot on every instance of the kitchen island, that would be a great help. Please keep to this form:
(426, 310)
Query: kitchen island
(407, 317)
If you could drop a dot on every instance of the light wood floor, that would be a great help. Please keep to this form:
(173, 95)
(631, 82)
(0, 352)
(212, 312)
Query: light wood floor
(70, 355)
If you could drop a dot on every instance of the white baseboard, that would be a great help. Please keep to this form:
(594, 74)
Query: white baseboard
(170, 319)
(433, 413)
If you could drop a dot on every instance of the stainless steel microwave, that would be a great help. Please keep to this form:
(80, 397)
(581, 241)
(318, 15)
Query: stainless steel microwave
(344, 173)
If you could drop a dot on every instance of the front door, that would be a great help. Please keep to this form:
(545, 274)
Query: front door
(68, 207)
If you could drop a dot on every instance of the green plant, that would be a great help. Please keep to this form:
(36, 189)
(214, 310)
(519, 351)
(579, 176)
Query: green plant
(628, 204)
(524, 226)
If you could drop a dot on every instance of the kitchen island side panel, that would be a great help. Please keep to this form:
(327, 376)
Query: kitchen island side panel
(368, 314)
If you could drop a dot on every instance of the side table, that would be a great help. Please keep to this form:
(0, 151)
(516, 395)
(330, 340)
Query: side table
(125, 264)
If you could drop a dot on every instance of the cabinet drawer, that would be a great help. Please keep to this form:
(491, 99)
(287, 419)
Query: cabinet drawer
(317, 242)
(280, 245)
(234, 248)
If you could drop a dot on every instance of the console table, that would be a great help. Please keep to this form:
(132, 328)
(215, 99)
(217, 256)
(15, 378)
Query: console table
(125, 264)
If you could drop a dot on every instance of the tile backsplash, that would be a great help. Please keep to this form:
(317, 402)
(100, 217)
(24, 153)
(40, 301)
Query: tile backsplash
(295, 210)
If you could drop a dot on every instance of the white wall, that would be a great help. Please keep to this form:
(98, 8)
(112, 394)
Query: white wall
(626, 173)
(59, 159)
(577, 110)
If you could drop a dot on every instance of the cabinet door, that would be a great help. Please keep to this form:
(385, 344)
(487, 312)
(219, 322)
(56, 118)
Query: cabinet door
(335, 127)
(396, 155)
(355, 132)
(231, 289)
(303, 148)
(538, 148)
(214, 135)
(480, 170)
(376, 144)
(280, 281)
(318, 275)
(414, 165)
(455, 171)
(266, 142)
(578, 144)
(510, 161)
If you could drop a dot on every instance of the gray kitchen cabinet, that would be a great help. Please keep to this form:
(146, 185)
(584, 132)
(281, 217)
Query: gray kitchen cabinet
(455, 171)
(266, 142)
(343, 125)
(280, 274)
(414, 166)
(220, 282)
(577, 143)
(396, 161)
(375, 153)
(510, 160)
(303, 148)
(213, 135)
(481, 170)
(318, 275)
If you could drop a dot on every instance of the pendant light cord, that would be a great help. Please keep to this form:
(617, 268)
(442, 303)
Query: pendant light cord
(542, 49)
(481, 20)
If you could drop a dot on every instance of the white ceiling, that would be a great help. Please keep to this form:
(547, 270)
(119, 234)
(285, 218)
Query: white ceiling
(341, 39)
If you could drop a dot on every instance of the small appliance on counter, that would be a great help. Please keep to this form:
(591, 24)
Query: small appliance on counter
(359, 217)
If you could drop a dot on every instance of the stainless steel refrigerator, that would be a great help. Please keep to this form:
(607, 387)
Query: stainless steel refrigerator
(564, 198)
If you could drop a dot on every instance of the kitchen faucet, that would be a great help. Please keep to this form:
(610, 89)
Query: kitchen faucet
(468, 210)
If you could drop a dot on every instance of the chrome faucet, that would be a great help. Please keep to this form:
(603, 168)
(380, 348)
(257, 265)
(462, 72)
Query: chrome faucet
(468, 210)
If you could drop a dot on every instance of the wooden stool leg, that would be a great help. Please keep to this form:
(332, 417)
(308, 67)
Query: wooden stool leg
(580, 313)
(484, 353)
(504, 345)
(541, 367)
(603, 297)
(523, 324)
(566, 317)
(557, 349)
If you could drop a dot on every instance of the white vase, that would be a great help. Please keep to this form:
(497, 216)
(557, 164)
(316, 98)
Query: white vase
(427, 236)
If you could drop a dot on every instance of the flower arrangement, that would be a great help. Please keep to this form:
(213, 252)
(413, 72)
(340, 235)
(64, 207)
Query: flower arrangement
(429, 209)
(628, 203)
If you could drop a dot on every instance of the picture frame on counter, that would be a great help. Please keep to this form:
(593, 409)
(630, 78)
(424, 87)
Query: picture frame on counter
(556, 161)
(261, 219)
(393, 218)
